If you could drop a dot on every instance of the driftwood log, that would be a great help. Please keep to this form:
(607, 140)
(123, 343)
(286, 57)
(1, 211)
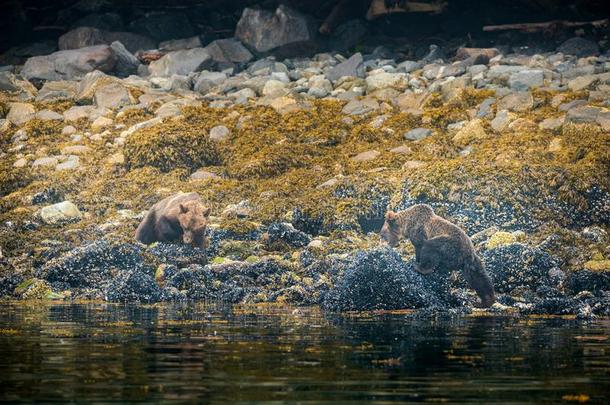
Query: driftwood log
(546, 26)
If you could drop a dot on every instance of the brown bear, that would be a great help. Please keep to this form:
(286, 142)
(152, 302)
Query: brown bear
(438, 244)
(181, 217)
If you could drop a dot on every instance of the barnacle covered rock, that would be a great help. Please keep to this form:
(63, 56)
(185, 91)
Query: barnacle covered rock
(379, 279)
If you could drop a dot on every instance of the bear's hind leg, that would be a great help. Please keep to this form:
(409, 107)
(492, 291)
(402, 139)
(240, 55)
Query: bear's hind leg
(479, 280)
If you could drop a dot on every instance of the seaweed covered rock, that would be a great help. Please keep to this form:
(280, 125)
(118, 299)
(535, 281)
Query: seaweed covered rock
(517, 265)
(12, 179)
(282, 232)
(8, 283)
(587, 280)
(170, 146)
(91, 265)
(558, 306)
(379, 279)
(177, 254)
(135, 284)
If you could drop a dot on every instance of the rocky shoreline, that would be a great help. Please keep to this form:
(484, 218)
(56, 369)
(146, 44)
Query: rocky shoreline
(300, 157)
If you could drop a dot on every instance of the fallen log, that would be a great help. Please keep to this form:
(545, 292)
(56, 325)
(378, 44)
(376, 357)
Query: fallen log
(380, 7)
(545, 26)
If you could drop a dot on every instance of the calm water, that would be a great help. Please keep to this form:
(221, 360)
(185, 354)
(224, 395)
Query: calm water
(108, 353)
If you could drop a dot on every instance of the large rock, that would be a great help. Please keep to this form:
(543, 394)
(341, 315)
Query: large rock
(518, 266)
(56, 91)
(228, 50)
(520, 101)
(472, 131)
(285, 31)
(81, 37)
(113, 95)
(126, 63)
(180, 44)
(66, 65)
(133, 42)
(180, 62)
(379, 279)
(91, 265)
(20, 113)
(526, 79)
(61, 212)
(579, 46)
(385, 80)
(583, 115)
(351, 67)
(163, 26)
(208, 80)
(135, 284)
(89, 36)
(8, 82)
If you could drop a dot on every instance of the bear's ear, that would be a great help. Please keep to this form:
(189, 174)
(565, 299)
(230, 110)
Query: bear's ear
(183, 209)
(206, 212)
(390, 215)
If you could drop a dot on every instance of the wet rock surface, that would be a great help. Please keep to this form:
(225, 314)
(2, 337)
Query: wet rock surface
(299, 155)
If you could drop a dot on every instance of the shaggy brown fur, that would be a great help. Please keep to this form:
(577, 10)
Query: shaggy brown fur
(178, 218)
(438, 243)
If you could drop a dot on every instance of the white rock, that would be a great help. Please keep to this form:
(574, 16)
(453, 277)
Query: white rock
(19, 163)
(68, 130)
(101, 123)
(60, 212)
(275, 88)
(75, 150)
(48, 115)
(46, 161)
(219, 133)
(20, 113)
(73, 162)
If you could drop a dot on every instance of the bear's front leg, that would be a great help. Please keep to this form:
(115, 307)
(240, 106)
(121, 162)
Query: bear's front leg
(166, 230)
(418, 268)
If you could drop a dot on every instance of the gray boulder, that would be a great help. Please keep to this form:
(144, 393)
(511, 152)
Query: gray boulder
(179, 44)
(285, 31)
(351, 67)
(228, 50)
(209, 80)
(80, 38)
(417, 134)
(180, 62)
(88, 36)
(132, 42)
(66, 65)
(8, 82)
(126, 63)
(579, 46)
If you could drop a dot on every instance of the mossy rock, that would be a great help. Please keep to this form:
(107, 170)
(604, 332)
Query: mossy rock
(598, 265)
(38, 128)
(12, 179)
(170, 146)
(501, 238)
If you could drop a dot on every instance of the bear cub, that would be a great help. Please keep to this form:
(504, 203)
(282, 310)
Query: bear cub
(178, 218)
(438, 244)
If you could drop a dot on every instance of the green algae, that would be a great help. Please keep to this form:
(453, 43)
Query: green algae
(170, 146)
(280, 162)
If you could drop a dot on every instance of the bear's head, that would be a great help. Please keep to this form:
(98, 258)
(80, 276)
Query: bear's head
(193, 219)
(402, 223)
(390, 231)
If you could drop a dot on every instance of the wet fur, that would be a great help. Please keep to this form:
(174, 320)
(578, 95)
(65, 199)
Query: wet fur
(438, 244)
(180, 218)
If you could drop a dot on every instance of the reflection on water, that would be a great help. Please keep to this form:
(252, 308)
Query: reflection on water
(101, 352)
